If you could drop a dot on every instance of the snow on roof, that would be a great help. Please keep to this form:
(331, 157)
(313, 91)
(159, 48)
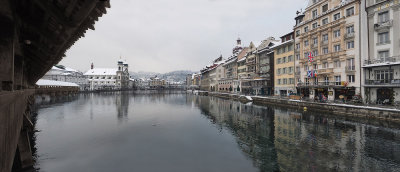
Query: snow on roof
(56, 68)
(102, 71)
(44, 82)
(244, 58)
(70, 69)
(381, 64)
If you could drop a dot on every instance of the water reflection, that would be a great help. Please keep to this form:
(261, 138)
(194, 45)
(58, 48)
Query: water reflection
(285, 140)
(170, 131)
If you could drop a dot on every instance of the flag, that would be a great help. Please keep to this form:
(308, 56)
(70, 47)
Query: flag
(315, 73)
(310, 57)
(309, 74)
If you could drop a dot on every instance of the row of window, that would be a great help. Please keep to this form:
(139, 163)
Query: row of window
(337, 79)
(285, 81)
(284, 49)
(325, 50)
(284, 60)
(336, 64)
(286, 70)
(103, 82)
(336, 16)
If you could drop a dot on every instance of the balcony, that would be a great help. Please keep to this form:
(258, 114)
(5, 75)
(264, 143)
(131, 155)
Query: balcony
(325, 42)
(350, 68)
(325, 71)
(349, 35)
(320, 84)
(383, 83)
(314, 45)
(388, 61)
(383, 25)
(297, 73)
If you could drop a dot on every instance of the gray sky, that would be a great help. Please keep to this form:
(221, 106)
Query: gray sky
(167, 35)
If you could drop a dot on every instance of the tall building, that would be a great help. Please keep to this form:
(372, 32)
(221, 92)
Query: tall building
(109, 78)
(328, 32)
(381, 63)
(263, 84)
(284, 66)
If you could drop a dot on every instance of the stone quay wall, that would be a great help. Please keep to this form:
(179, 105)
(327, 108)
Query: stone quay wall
(363, 112)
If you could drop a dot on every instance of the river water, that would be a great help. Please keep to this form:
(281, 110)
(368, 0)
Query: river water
(172, 132)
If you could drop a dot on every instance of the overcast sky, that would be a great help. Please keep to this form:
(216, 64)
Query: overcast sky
(167, 35)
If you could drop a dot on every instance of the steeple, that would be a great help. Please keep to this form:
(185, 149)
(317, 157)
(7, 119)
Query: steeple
(239, 42)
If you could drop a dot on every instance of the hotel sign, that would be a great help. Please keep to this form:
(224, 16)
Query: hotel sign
(386, 5)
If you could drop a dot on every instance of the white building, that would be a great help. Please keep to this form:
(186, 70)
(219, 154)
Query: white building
(109, 78)
(65, 74)
(381, 56)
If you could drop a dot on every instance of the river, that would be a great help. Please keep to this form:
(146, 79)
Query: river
(127, 131)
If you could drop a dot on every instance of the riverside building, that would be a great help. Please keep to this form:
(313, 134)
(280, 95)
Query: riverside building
(284, 66)
(109, 78)
(329, 31)
(381, 65)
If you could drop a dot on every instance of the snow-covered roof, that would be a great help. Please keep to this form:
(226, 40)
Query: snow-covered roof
(102, 71)
(44, 82)
(381, 64)
(242, 59)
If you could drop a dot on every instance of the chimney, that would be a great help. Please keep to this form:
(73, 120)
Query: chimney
(91, 66)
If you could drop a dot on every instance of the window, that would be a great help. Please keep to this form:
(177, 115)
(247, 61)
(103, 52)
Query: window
(306, 43)
(284, 71)
(336, 16)
(315, 41)
(315, 53)
(383, 38)
(297, 68)
(325, 50)
(336, 64)
(297, 56)
(338, 80)
(350, 78)
(315, 66)
(305, 29)
(290, 47)
(384, 76)
(325, 21)
(291, 81)
(284, 60)
(350, 45)
(284, 81)
(383, 17)
(336, 33)
(350, 11)
(314, 25)
(297, 33)
(314, 14)
(279, 71)
(306, 67)
(325, 37)
(383, 55)
(325, 65)
(336, 47)
(297, 46)
(278, 61)
(350, 29)
(326, 80)
(350, 64)
(325, 8)
(279, 81)
(290, 58)
(306, 55)
(290, 69)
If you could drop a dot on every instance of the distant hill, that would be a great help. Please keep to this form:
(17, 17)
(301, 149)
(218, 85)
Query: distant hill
(176, 76)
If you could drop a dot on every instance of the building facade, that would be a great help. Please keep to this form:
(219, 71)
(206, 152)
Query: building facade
(65, 74)
(284, 66)
(327, 49)
(109, 78)
(381, 65)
